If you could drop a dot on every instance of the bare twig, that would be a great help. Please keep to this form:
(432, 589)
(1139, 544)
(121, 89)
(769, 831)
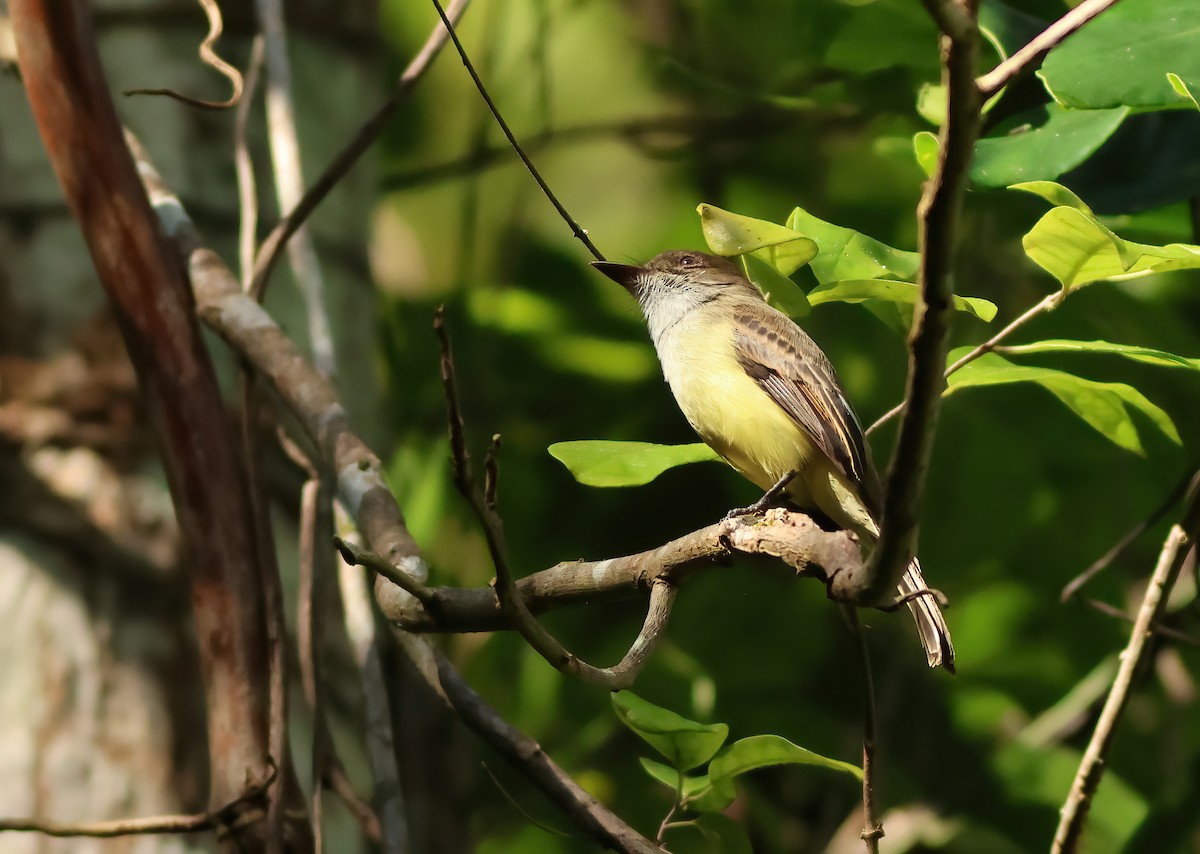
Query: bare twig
(1166, 631)
(1032, 54)
(1046, 304)
(1185, 486)
(70, 98)
(289, 184)
(938, 218)
(210, 58)
(244, 164)
(512, 606)
(872, 827)
(245, 809)
(1091, 767)
(579, 232)
(345, 159)
(389, 793)
(316, 528)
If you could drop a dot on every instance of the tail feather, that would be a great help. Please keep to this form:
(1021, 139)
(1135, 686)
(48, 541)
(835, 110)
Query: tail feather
(931, 625)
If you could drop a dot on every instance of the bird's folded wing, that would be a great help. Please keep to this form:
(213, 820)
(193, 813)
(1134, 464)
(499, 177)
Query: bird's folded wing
(790, 367)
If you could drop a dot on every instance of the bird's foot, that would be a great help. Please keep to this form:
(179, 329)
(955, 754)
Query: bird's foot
(767, 499)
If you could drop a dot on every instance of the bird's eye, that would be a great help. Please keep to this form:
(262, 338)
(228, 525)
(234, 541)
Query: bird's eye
(688, 261)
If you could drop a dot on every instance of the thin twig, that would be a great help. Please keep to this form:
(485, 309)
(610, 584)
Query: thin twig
(233, 814)
(1032, 54)
(345, 159)
(289, 185)
(1185, 486)
(512, 605)
(389, 793)
(1044, 305)
(938, 217)
(210, 58)
(1166, 631)
(272, 587)
(579, 232)
(357, 556)
(315, 536)
(244, 164)
(872, 827)
(1091, 768)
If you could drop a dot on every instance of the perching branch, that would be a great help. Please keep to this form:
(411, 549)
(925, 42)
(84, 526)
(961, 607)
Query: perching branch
(1032, 54)
(1180, 540)
(938, 216)
(787, 538)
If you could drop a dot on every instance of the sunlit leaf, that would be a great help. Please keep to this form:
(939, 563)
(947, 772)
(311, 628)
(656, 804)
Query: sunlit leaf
(847, 254)
(1055, 194)
(780, 291)
(1147, 355)
(1104, 406)
(1122, 57)
(762, 751)
(599, 462)
(1182, 88)
(1077, 249)
(685, 743)
(731, 234)
(861, 290)
(925, 148)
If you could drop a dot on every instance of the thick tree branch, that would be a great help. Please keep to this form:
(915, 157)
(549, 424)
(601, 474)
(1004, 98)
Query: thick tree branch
(1181, 538)
(938, 217)
(75, 115)
(1032, 54)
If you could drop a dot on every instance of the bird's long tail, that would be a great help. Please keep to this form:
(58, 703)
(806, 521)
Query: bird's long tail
(931, 625)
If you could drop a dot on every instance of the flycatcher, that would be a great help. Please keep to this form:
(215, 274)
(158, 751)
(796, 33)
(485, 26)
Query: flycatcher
(759, 391)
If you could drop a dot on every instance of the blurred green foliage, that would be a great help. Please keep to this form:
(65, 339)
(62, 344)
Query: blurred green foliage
(637, 113)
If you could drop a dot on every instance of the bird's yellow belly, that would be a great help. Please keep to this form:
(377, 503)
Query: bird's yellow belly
(731, 413)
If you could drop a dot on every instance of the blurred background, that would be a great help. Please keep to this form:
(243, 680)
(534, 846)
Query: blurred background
(635, 112)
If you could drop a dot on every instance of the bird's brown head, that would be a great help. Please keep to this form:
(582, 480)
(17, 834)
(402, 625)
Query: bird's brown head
(681, 270)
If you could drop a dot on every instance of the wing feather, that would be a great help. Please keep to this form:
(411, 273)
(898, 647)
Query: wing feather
(789, 366)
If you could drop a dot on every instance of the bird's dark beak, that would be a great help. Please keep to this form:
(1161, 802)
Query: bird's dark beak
(625, 275)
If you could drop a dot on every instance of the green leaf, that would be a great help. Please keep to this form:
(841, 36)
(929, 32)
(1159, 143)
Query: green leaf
(686, 744)
(1077, 249)
(700, 792)
(1055, 194)
(1182, 88)
(1040, 144)
(925, 148)
(731, 234)
(1147, 355)
(616, 463)
(1122, 57)
(1104, 406)
(780, 291)
(861, 290)
(847, 254)
(762, 751)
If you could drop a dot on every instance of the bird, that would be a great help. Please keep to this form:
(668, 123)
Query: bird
(762, 394)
